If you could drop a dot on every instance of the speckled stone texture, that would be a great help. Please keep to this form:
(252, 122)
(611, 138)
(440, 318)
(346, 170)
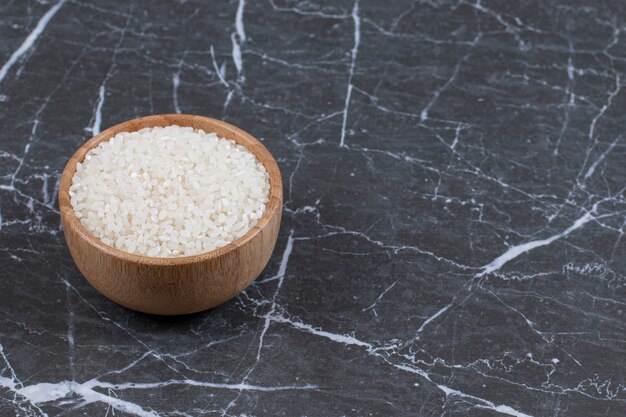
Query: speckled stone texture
(453, 230)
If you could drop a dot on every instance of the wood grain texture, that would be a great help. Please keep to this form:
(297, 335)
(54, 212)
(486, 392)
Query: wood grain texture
(181, 285)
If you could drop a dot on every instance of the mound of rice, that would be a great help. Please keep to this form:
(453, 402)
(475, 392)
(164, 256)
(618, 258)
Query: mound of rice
(169, 191)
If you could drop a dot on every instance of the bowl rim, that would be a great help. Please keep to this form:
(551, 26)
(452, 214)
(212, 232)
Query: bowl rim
(273, 206)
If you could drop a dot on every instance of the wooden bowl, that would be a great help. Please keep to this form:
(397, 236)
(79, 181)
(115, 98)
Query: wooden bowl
(174, 285)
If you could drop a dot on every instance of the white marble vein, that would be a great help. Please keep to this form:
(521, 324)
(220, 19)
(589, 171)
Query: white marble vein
(605, 107)
(523, 248)
(218, 71)
(176, 83)
(280, 275)
(239, 21)
(372, 350)
(449, 82)
(353, 56)
(601, 158)
(382, 294)
(46, 392)
(97, 114)
(30, 39)
(431, 318)
(238, 38)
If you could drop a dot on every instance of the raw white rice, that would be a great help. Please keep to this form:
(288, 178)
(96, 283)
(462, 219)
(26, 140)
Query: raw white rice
(169, 191)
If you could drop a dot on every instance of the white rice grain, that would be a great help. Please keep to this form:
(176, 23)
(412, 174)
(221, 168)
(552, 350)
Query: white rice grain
(169, 191)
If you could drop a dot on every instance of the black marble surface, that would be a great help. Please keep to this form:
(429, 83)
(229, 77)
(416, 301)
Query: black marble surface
(453, 232)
